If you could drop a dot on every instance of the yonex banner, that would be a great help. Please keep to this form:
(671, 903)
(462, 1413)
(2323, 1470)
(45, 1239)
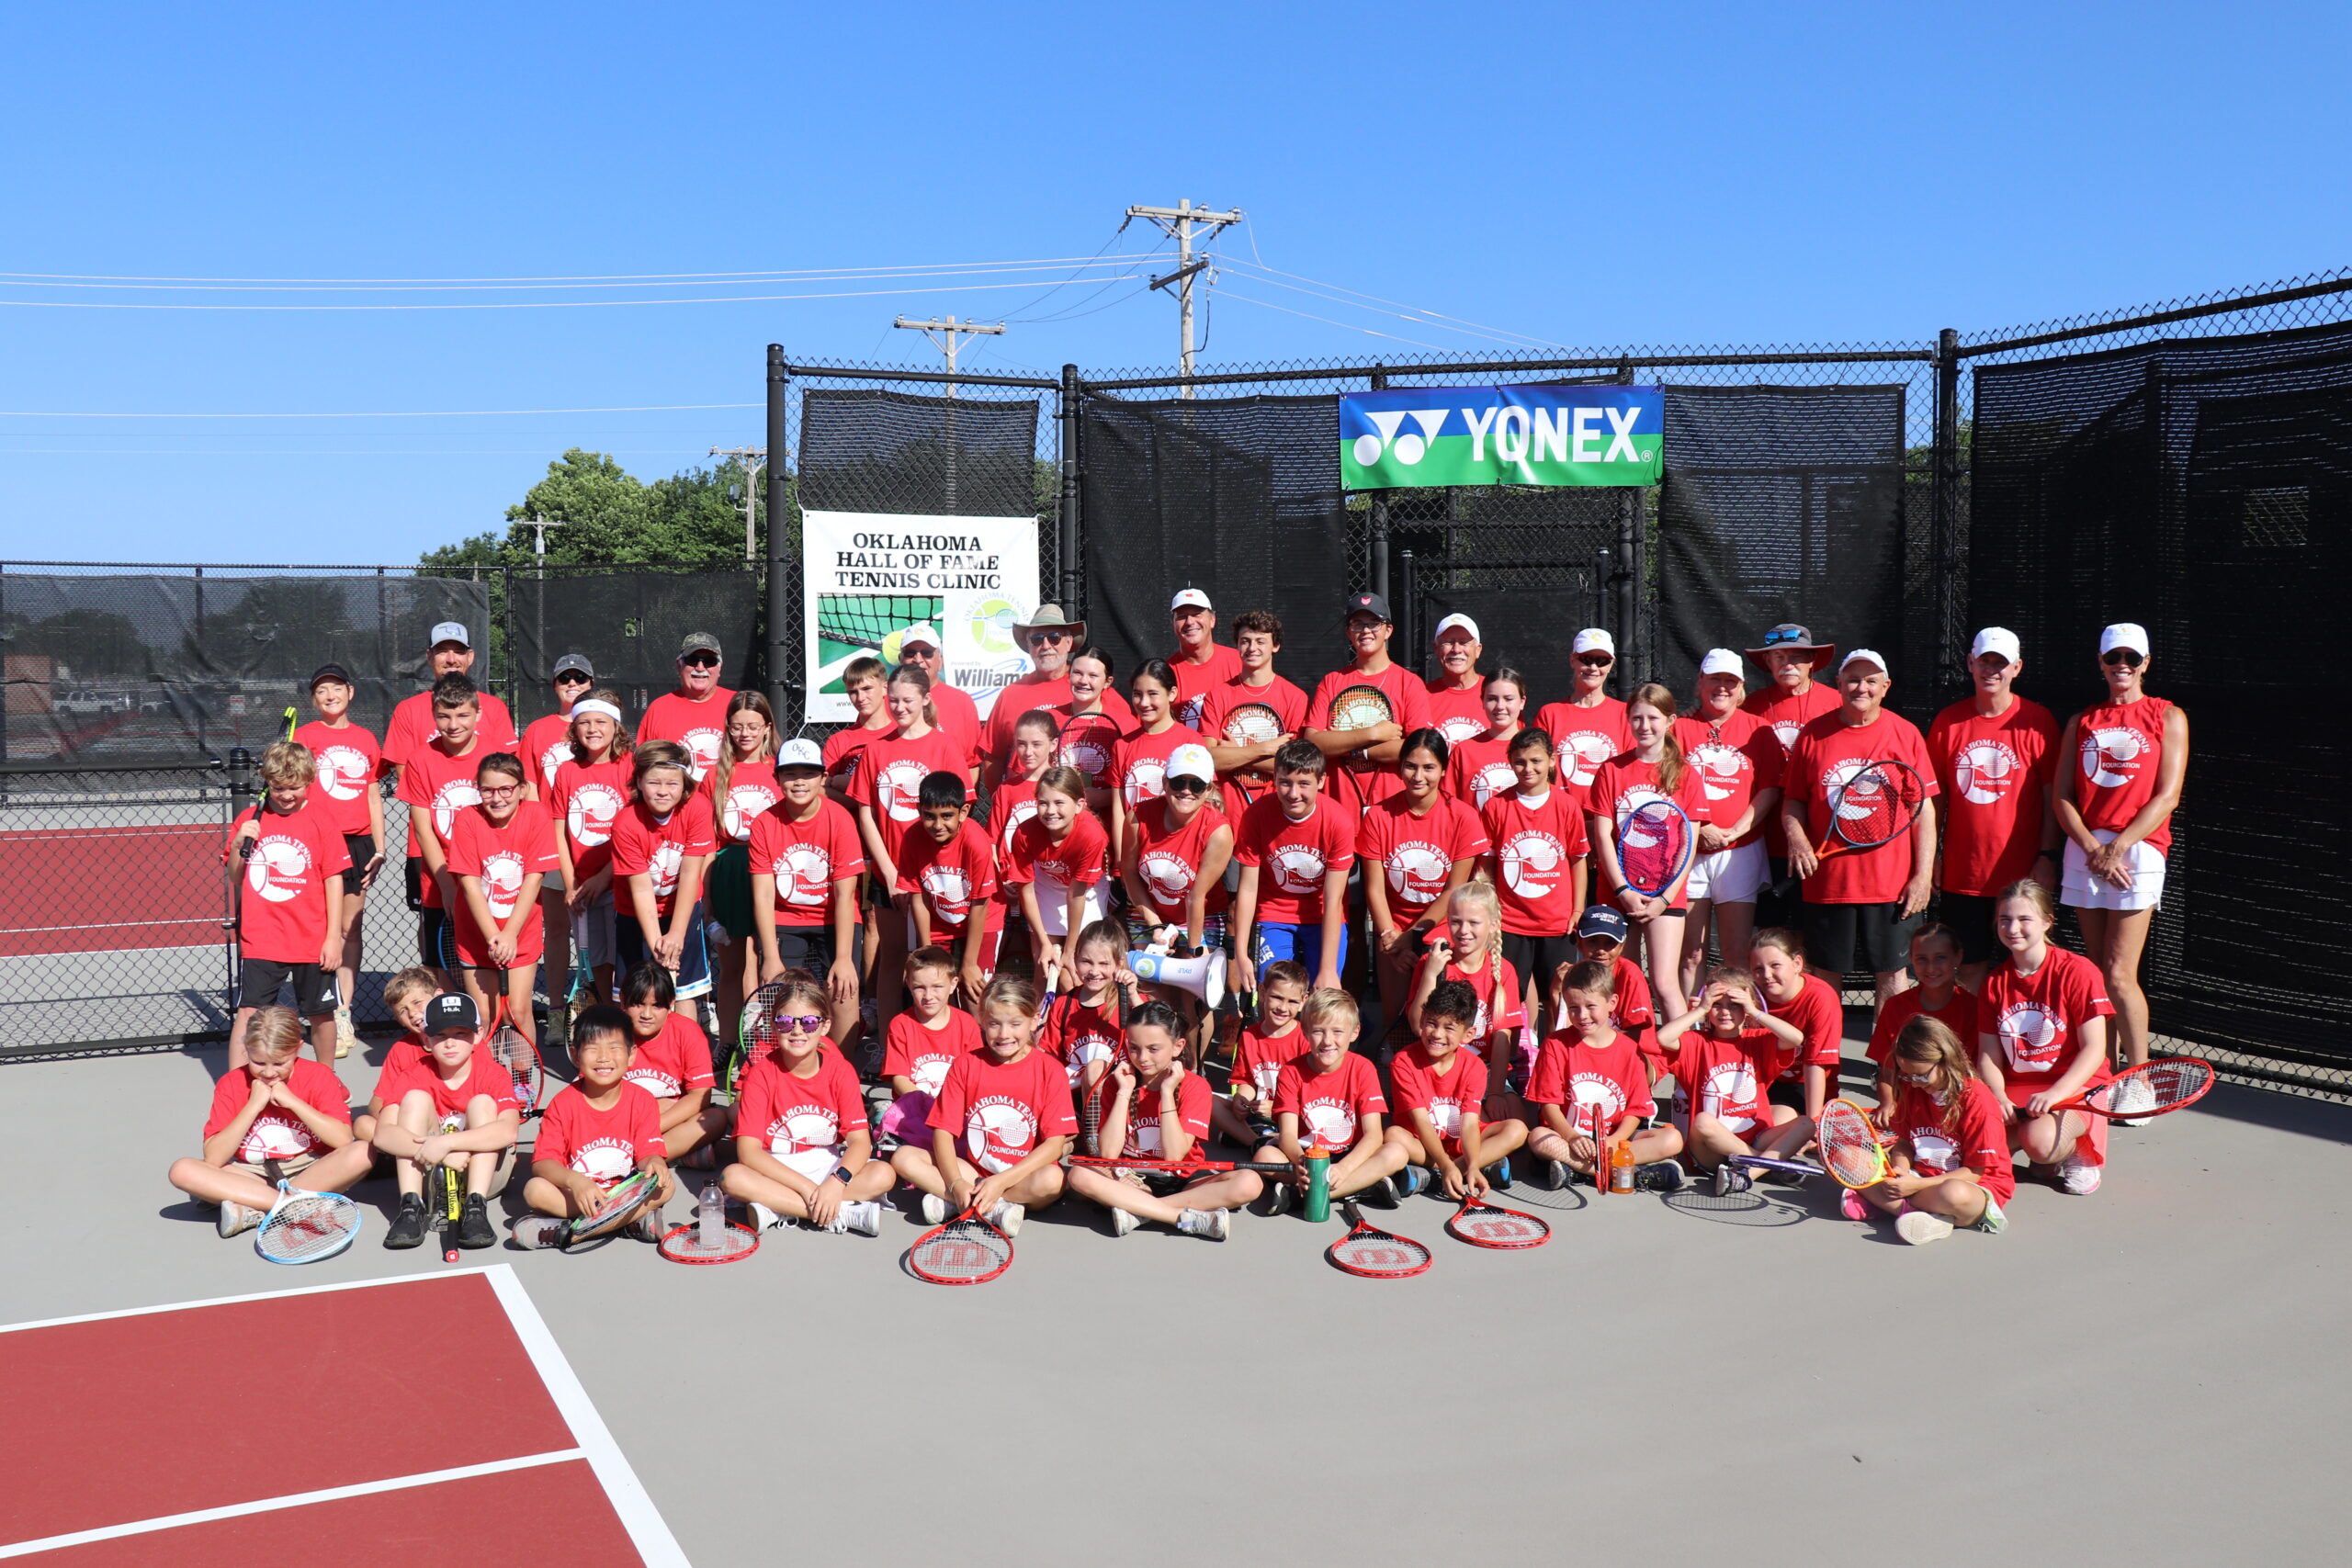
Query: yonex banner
(1501, 435)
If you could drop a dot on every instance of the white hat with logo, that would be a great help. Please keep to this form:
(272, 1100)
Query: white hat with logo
(2124, 634)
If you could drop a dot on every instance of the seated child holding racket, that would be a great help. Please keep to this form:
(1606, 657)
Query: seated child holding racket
(1949, 1166)
(669, 1059)
(1723, 1053)
(947, 869)
(1244, 1114)
(922, 1042)
(597, 1131)
(1935, 960)
(1082, 1028)
(1329, 1097)
(454, 1108)
(1000, 1123)
(802, 1147)
(1592, 1067)
(1157, 1111)
(275, 1118)
(1436, 1092)
(405, 995)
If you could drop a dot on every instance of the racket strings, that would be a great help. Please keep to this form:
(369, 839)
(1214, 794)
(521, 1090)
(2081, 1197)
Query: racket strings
(2166, 1084)
(962, 1251)
(1377, 1252)
(1849, 1149)
(1490, 1226)
(313, 1226)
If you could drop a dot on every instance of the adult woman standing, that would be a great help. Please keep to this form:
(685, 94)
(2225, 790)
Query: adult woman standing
(2115, 805)
(1737, 758)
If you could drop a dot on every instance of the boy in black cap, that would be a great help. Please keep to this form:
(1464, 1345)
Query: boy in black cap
(349, 762)
(1601, 939)
(1365, 760)
(456, 1108)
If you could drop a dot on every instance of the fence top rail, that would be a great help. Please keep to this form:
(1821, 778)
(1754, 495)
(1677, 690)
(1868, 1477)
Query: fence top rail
(57, 770)
(2337, 282)
(814, 370)
(246, 566)
(1620, 362)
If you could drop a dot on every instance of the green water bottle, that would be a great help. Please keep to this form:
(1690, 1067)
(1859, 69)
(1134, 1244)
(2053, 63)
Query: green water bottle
(1318, 1183)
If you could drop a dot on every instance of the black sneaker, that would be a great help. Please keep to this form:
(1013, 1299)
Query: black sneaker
(1498, 1175)
(1731, 1179)
(1278, 1197)
(473, 1223)
(1381, 1194)
(1660, 1176)
(407, 1228)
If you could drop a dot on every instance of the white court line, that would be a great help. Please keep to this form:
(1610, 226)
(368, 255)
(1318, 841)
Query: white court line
(255, 1296)
(291, 1500)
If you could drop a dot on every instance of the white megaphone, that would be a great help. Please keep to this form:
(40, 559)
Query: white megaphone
(1202, 974)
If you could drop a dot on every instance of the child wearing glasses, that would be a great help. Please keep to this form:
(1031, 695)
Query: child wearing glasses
(802, 1147)
(500, 853)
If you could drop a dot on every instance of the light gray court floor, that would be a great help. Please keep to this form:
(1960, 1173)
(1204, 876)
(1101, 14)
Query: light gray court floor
(2157, 1373)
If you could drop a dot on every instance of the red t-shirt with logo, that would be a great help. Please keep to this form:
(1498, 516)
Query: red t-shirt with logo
(589, 798)
(1632, 1011)
(1501, 998)
(1734, 757)
(699, 727)
(1011, 803)
(1077, 1032)
(1826, 755)
(1959, 1015)
(1139, 763)
(1292, 857)
(1259, 1059)
(658, 847)
(1415, 854)
(2037, 1019)
(1458, 713)
(1584, 737)
(952, 877)
(1051, 693)
(796, 1115)
(1194, 1098)
(1168, 860)
(1330, 1107)
(845, 749)
(276, 1133)
(349, 761)
(1090, 743)
(1576, 1078)
(603, 1146)
(483, 1075)
(283, 916)
(546, 748)
(1359, 784)
(675, 1060)
(1786, 716)
(1819, 1014)
(999, 1111)
(411, 728)
(1193, 682)
(1993, 774)
(1478, 768)
(1737, 1073)
(1977, 1138)
(1416, 1084)
(1077, 861)
(442, 785)
(889, 779)
(1225, 714)
(751, 789)
(1535, 849)
(502, 857)
(807, 859)
(912, 1050)
(960, 717)
(2117, 750)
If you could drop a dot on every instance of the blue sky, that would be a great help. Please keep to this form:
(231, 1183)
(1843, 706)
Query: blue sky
(1577, 174)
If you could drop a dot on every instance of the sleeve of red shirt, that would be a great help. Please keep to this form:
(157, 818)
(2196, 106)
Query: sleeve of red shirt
(463, 851)
(1193, 1098)
(1824, 1022)
(1412, 704)
(1548, 1085)
(1288, 1088)
(699, 833)
(1088, 870)
(644, 1124)
(694, 1054)
(1408, 1084)
(1057, 1117)
(539, 852)
(556, 1140)
(1764, 753)
(1339, 838)
(1370, 1102)
(229, 1097)
(1635, 1082)
(861, 782)
(413, 788)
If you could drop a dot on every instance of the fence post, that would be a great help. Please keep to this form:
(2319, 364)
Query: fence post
(1944, 503)
(1066, 592)
(1633, 663)
(1380, 518)
(781, 576)
(1408, 613)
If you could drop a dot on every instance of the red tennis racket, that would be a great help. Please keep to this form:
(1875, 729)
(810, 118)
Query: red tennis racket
(1370, 1253)
(1849, 1145)
(1875, 805)
(967, 1250)
(1252, 724)
(2167, 1083)
(687, 1243)
(626, 1199)
(1487, 1225)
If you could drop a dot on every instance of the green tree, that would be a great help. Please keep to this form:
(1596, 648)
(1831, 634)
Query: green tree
(612, 518)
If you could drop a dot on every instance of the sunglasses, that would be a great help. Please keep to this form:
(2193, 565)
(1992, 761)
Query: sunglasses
(1049, 636)
(1187, 785)
(2129, 657)
(1596, 660)
(790, 1023)
(700, 661)
(571, 678)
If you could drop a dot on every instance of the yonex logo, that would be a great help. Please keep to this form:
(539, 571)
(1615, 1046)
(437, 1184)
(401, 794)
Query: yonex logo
(1407, 448)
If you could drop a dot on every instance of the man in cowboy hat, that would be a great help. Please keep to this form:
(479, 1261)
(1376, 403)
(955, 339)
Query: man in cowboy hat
(1794, 700)
(1049, 637)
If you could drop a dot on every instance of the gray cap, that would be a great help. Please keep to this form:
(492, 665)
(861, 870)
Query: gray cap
(577, 662)
(700, 642)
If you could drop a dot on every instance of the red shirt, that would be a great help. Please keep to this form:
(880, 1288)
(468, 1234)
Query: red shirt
(1001, 1111)
(1576, 1078)
(1229, 713)
(675, 1060)
(1330, 1107)
(502, 857)
(1450, 1097)
(699, 727)
(751, 790)
(590, 797)
(1292, 857)
(1455, 712)
(960, 717)
(1193, 1099)
(1959, 1014)
(844, 749)
(807, 859)
(1625, 782)
(1170, 862)
(1090, 742)
(546, 747)
(1194, 682)
(1490, 976)
(1583, 739)
(1534, 852)
(912, 1050)
(603, 1146)
(1994, 777)
(1076, 1032)
(795, 1115)
(277, 1134)
(2117, 750)
(657, 848)
(1819, 1014)
(1049, 692)
(1415, 854)
(952, 877)
(444, 786)
(1358, 784)
(1139, 763)
(1977, 1139)
(2038, 1019)
(406, 1050)
(1826, 755)
(1077, 861)
(1737, 1072)
(1632, 1011)
(349, 762)
(889, 779)
(283, 916)
(411, 728)
(1786, 716)
(1011, 803)
(1477, 770)
(483, 1075)
(1259, 1059)
(1734, 758)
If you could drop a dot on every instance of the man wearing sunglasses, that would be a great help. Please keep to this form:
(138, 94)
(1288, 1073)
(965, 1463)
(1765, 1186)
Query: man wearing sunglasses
(1589, 727)
(1994, 752)
(547, 746)
(1050, 638)
(958, 716)
(694, 715)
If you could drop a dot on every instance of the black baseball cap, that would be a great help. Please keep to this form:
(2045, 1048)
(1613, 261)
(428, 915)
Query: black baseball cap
(331, 672)
(1599, 920)
(451, 1009)
(1372, 604)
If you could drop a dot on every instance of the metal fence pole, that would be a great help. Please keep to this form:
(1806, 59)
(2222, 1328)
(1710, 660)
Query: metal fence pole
(1380, 518)
(1065, 409)
(1944, 505)
(782, 579)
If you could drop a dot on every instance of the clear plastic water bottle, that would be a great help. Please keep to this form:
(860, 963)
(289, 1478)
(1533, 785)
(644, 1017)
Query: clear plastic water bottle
(711, 1221)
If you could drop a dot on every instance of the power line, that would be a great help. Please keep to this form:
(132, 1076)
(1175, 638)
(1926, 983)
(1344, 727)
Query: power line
(435, 414)
(528, 304)
(1403, 312)
(67, 279)
(1178, 220)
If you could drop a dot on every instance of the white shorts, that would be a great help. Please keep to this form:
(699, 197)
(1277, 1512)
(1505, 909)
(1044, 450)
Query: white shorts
(1729, 876)
(814, 1164)
(2079, 890)
(1054, 908)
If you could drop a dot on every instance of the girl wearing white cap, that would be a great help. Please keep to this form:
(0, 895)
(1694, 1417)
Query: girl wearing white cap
(1589, 727)
(2120, 768)
(1737, 758)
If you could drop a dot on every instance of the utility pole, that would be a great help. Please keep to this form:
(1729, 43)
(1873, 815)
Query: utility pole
(538, 526)
(539, 538)
(1179, 220)
(944, 335)
(749, 492)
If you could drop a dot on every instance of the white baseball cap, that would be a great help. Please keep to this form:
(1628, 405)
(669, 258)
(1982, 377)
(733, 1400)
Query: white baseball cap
(1864, 655)
(2124, 634)
(1593, 637)
(925, 634)
(1189, 761)
(1465, 622)
(1997, 639)
(1723, 662)
(455, 631)
(1189, 599)
(801, 753)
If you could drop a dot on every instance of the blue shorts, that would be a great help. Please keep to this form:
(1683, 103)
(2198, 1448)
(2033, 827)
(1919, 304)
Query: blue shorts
(1270, 944)
(694, 956)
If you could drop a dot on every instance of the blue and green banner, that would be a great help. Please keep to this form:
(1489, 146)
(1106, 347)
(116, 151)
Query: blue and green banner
(1501, 435)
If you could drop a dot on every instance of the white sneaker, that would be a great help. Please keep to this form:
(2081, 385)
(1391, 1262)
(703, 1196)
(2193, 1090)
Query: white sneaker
(1919, 1227)
(236, 1219)
(1007, 1217)
(1210, 1224)
(2078, 1176)
(2133, 1097)
(861, 1218)
(935, 1209)
(535, 1231)
(1122, 1223)
(647, 1227)
(765, 1218)
(345, 1038)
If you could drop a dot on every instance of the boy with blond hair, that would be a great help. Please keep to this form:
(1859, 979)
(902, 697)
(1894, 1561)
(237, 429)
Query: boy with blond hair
(284, 861)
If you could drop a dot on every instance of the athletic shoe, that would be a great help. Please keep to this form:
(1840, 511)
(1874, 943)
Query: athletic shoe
(345, 1037)
(1851, 1205)
(1552, 1174)
(1731, 1179)
(935, 1209)
(647, 1227)
(2078, 1176)
(1919, 1227)
(236, 1219)
(535, 1231)
(1381, 1194)
(1122, 1223)
(407, 1228)
(1500, 1177)
(861, 1218)
(1210, 1224)
(1007, 1216)
(1660, 1176)
(1771, 1178)
(2134, 1096)
(474, 1231)
(1409, 1182)
(765, 1218)
(1278, 1196)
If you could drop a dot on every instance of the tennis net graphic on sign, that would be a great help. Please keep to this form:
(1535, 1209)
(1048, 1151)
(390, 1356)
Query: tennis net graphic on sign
(1501, 435)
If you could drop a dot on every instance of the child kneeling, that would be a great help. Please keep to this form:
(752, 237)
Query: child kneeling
(1157, 1111)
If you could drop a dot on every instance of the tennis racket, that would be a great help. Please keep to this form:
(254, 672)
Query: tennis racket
(1360, 707)
(1252, 724)
(2168, 1083)
(1175, 1167)
(1655, 841)
(628, 1198)
(1370, 1253)
(579, 993)
(967, 1250)
(687, 1243)
(1850, 1150)
(307, 1227)
(1487, 1224)
(755, 1032)
(512, 1050)
(1876, 805)
(452, 1192)
(1797, 1168)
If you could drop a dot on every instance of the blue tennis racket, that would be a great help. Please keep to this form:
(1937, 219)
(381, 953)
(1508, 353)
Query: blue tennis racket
(1655, 841)
(307, 1227)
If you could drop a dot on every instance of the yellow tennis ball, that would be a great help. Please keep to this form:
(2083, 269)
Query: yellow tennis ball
(890, 648)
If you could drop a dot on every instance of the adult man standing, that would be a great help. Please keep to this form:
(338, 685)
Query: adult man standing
(1200, 660)
(1589, 727)
(1791, 701)
(452, 653)
(1860, 906)
(1996, 755)
(1457, 691)
(1050, 638)
(960, 717)
(694, 715)
(1365, 760)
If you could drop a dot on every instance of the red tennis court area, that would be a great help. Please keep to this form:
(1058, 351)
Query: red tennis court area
(425, 1420)
(103, 889)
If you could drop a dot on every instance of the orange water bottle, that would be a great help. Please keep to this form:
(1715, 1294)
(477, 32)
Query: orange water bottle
(1621, 1166)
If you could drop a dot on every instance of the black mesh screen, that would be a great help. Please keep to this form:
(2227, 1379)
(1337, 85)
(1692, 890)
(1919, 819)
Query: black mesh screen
(629, 625)
(1239, 497)
(2203, 489)
(892, 451)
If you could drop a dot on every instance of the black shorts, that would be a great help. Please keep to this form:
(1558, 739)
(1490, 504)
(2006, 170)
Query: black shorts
(1538, 958)
(412, 883)
(1778, 902)
(1842, 938)
(1971, 916)
(437, 941)
(361, 849)
(811, 948)
(260, 979)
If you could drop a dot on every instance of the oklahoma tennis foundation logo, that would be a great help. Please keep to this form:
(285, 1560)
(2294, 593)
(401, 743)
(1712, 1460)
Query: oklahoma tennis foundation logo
(1331, 1122)
(1581, 753)
(1460, 728)
(949, 889)
(604, 1160)
(1494, 779)
(661, 1085)
(703, 744)
(2030, 1036)
(343, 771)
(1533, 863)
(901, 786)
(589, 819)
(448, 800)
(810, 872)
(805, 1129)
(1147, 780)
(745, 801)
(1719, 768)
(1593, 1090)
(1731, 1084)
(1299, 868)
(662, 865)
(1417, 871)
(275, 1134)
(1986, 772)
(1090, 754)
(279, 867)
(502, 880)
(999, 1131)
(1168, 874)
(2112, 757)
(1932, 1149)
